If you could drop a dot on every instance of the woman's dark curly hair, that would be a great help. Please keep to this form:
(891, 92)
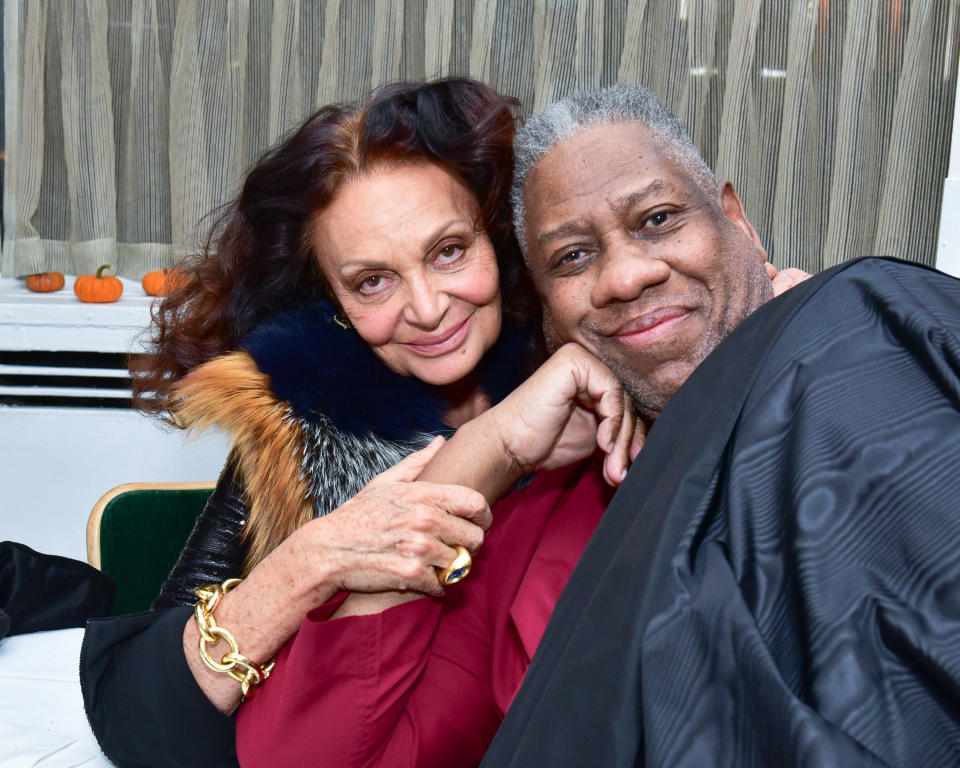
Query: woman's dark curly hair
(258, 259)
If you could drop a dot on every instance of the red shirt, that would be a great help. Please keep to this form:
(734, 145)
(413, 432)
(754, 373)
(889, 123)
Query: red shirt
(427, 683)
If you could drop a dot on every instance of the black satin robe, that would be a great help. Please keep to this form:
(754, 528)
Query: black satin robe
(777, 582)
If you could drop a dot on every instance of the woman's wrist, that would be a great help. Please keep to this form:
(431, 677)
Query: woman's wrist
(307, 570)
(261, 614)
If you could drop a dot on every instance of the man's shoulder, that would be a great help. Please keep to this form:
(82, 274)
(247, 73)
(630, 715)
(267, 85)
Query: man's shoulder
(875, 275)
(886, 289)
(871, 303)
(882, 292)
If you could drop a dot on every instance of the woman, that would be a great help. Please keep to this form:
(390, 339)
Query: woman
(398, 212)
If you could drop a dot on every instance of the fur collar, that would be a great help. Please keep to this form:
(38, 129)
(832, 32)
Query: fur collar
(325, 371)
(314, 414)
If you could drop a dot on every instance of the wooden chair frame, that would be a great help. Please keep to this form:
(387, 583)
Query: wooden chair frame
(96, 514)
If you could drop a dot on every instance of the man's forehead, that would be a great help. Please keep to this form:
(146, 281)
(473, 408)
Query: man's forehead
(614, 167)
(604, 142)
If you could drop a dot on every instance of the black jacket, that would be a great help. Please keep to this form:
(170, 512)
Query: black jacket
(777, 582)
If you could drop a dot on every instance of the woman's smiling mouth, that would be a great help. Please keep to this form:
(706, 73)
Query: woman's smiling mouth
(440, 343)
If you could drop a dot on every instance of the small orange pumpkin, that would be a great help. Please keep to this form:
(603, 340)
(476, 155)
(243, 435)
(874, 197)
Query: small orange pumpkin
(162, 281)
(98, 288)
(45, 282)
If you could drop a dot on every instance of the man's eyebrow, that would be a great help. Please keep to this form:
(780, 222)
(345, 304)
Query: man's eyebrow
(634, 199)
(569, 228)
(620, 205)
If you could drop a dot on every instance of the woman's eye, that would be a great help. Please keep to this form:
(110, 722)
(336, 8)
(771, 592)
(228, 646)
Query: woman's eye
(372, 284)
(449, 253)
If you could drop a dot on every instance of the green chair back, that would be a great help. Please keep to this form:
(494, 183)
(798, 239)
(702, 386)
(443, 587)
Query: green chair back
(140, 533)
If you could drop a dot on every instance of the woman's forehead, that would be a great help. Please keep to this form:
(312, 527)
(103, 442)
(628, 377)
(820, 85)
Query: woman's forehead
(391, 210)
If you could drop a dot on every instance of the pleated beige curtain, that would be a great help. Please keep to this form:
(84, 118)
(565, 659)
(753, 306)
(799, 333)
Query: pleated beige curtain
(128, 120)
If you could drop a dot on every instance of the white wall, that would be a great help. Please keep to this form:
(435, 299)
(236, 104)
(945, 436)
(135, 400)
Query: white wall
(948, 251)
(55, 463)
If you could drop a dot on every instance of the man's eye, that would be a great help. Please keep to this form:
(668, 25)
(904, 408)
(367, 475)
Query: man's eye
(657, 219)
(571, 257)
(571, 262)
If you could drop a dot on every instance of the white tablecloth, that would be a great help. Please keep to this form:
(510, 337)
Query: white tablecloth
(42, 722)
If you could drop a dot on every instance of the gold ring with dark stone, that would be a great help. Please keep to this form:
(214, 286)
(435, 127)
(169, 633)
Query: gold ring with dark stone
(458, 569)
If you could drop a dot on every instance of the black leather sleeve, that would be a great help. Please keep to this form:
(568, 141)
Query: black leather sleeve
(215, 550)
(143, 704)
(40, 592)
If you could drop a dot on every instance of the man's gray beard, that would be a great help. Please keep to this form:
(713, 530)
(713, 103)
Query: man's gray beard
(649, 399)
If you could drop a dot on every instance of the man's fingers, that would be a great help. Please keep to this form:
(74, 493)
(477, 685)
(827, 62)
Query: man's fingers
(410, 468)
(618, 460)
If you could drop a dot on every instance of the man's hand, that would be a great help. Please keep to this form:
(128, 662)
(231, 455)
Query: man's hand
(571, 405)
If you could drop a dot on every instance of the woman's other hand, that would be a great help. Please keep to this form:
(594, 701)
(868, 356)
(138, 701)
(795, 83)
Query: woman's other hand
(785, 279)
(385, 540)
(392, 534)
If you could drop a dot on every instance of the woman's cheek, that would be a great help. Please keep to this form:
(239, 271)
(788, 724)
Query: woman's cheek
(482, 287)
(375, 327)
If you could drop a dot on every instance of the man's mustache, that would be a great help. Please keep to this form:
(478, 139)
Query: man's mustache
(618, 318)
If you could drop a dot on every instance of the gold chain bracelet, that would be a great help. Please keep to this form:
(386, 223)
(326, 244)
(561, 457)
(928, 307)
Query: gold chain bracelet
(233, 663)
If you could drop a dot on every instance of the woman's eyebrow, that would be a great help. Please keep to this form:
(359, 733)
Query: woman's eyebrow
(428, 242)
(359, 264)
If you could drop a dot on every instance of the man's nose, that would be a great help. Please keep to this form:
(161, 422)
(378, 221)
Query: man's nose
(426, 304)
(626, 270)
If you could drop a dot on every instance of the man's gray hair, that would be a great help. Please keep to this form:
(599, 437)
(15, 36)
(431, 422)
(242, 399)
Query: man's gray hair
(574, 114)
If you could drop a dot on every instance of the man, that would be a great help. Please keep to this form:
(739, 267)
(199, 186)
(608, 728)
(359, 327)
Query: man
(638, 253)
(778, 580)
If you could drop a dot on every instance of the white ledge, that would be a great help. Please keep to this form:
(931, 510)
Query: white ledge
(59, 321)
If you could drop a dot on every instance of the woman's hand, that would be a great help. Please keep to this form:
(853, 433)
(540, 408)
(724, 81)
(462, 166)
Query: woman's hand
(392, 534)
(785, 279)
(571, 405)
(388, 537)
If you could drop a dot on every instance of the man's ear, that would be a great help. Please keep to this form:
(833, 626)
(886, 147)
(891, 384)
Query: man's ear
(733, 209)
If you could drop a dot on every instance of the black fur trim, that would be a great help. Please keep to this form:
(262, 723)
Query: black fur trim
(322, 369)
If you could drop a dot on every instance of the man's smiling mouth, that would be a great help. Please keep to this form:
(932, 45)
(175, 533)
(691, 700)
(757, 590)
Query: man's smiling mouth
(652, 326)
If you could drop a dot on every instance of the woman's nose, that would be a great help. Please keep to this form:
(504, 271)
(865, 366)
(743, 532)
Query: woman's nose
(426, 304)
(626, 270)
